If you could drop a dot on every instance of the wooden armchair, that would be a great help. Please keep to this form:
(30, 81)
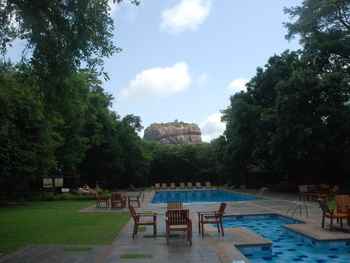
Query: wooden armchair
(329, 213)
(189, 185)
(134, 199)
(182, 185)
(172, 186)
(118, 198)
(156, 186)
(102, 199)
(207, 184)
(175, 205)
(334, 191)
(178, 220)
(198, 185)
(211, 217)
(305, 193)
(164, 186)
(138, 221)
(343, 203)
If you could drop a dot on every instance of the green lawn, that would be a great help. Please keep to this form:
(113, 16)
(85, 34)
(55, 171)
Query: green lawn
(56, 223)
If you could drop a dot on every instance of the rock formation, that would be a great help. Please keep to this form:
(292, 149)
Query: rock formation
(175, 133)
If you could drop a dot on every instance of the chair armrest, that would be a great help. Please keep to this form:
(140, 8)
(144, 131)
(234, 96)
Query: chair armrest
(146, 214)
(204, 212)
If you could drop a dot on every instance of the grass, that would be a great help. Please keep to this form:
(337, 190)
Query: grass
(57, 223)
(136, 256)
(76, 249)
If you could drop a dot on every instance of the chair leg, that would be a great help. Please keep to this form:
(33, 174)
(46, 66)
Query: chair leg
(135, 230)
(222, 229)
(323, 221)
(217, 225)
(167, 237)
(331, 225)
(154, 230)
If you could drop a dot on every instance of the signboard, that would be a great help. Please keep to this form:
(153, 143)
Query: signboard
(58, 182)
(47, 182)
(65, 190)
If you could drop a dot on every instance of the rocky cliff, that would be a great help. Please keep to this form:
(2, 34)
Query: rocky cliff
(175, 133)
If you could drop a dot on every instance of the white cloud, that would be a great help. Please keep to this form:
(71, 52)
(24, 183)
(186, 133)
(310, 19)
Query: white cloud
(157, 83)
(203, 79)
(237, 85)
(187, 15)
(212, 127)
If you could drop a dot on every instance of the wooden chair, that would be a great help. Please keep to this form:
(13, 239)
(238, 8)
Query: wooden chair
(305, 193)
(189, 185)
(182, 185)
(198, 185)
(329, 213)
(343, 203)
(118, 198)
(178, 220)
(102, 199)
(139, 222)
(211, 217)
(134, 199)
(164, 186)
(172, 186)
(323, 193)
(207, 184)
(157, 186)
(334, 191)
(175, 205)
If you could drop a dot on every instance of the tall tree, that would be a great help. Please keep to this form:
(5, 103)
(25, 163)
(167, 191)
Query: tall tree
(26, 145)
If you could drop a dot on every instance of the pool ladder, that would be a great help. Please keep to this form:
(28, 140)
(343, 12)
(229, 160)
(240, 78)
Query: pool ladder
(264, 190)
(297, 204)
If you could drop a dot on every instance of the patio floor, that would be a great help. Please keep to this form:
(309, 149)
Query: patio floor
(211, 248)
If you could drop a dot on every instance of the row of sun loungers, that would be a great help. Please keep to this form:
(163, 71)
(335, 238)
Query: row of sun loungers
(164, 186)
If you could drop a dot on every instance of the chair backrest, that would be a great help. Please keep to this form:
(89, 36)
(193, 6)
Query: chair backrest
(335, 189)
(175, 205)
(178, 216)
(198, 184)
(302, 188)
(157, 185)
(117, 197)
(133, 213)
(189, 184)
(222, 208)
(324, 206)
(182, 185)
(172, 184)
(207, 184)
(97, 195)
(342, 200)
(164, 185)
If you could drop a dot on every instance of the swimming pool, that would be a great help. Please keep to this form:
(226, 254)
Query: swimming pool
(288, 246)
(200, 196)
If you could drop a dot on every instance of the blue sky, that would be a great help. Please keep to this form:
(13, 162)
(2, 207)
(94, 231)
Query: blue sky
(183, 59)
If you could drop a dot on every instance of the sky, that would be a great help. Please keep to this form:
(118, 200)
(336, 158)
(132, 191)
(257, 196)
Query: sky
(183, 59)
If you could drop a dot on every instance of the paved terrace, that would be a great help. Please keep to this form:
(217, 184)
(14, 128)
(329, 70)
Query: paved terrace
(211, 248)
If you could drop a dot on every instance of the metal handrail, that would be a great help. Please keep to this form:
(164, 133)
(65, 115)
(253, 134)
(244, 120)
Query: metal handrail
(297, 204)
(263, 190)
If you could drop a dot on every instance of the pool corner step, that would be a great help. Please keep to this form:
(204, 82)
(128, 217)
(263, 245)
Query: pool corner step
(249, 243)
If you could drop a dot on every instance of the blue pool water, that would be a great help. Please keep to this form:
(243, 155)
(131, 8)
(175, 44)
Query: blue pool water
(200, 196)
(288, 246)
